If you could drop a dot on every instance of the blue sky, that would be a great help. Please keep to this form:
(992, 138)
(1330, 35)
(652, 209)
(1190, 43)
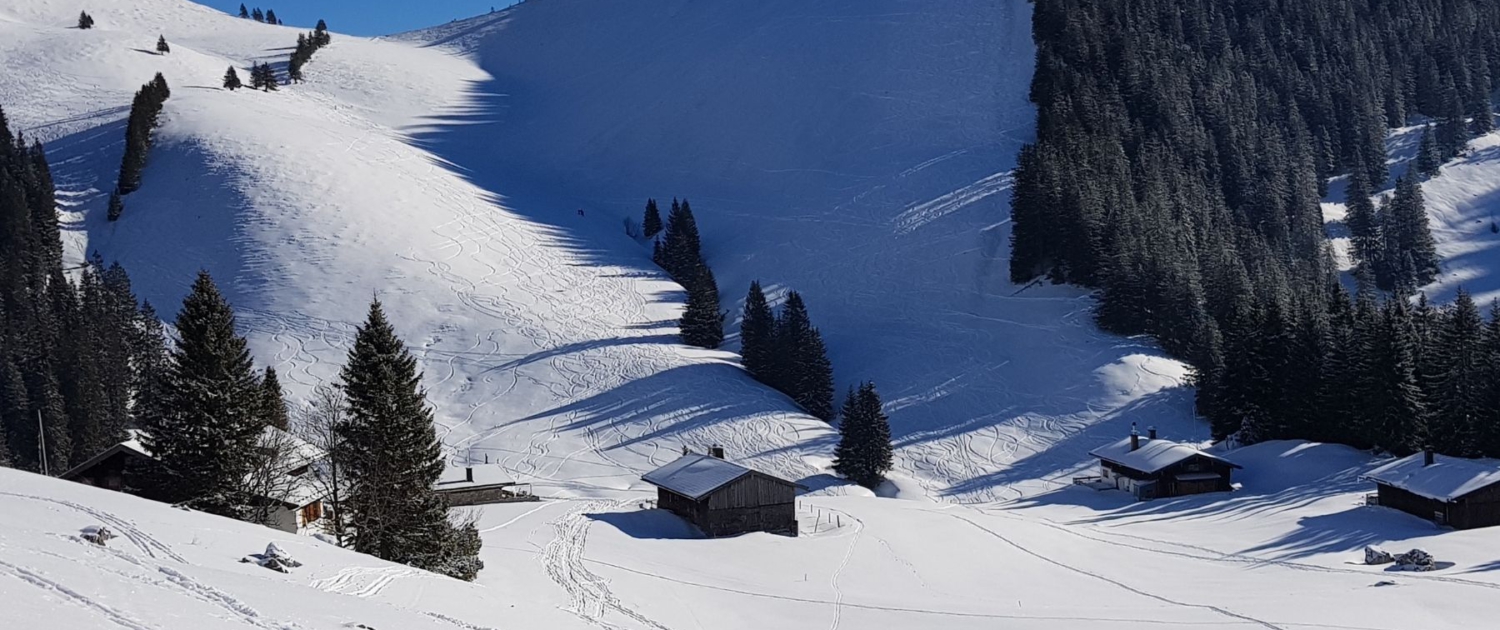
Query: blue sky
(366, 17)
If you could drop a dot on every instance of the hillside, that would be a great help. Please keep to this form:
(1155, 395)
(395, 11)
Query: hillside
(856, 152)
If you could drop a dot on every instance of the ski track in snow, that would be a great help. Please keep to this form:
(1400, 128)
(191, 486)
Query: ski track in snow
(352, 580)
(143, 541)
(563, 558)
(73, 597)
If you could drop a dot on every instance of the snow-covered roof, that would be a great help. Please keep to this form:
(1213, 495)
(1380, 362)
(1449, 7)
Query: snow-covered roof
(456, 477)
(695, 475)
(1152, 456)
(1447, 479)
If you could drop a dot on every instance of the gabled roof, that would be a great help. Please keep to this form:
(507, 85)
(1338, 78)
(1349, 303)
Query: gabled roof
(694, 476)
(131, 445)
(1447, 479)
(1153, 455)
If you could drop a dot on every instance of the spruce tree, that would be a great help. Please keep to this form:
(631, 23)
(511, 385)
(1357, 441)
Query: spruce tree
(393, 456)
(1428, 161)
(116, 206)
(152, 364)
(1487, 428)
(1459, 371)
(272, 401)
(244, 13)
(271, 17)
(651, 224)
(681, 253)
(864, 452)
(210, 422)
(702, 322)
(321, 37)
(161, 45)
(758, 335)
(257, 15)
(802, 369)
(1364, 230)
(85, 21)
(1412, 236)
(232, 79)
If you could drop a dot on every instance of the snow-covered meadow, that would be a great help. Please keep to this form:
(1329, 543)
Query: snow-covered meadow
(856, 151)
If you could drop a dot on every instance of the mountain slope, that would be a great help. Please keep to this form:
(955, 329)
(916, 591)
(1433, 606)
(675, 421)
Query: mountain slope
(857, 152)
(308, 201)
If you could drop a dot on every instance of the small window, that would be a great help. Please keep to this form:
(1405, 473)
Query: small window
(312, 511)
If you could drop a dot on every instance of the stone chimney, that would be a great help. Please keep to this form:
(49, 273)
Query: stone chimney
(1428, 458)
(716, 451)
(1135, 437)
(1150, 433)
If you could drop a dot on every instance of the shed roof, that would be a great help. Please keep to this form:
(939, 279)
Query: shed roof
(694, 476)
(1447, 479)
(1153, 455)
(457, 478)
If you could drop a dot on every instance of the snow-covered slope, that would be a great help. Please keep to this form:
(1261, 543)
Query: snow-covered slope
(856, 151)
(1278, 554)
(554, 353)
(169, 569)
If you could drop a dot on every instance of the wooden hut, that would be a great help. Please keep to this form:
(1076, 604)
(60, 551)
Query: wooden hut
(1151, 468)
(481, 485)
(1460, 493)
(723, 498)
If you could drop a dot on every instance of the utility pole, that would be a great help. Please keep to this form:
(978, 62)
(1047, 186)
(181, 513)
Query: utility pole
(41, 440)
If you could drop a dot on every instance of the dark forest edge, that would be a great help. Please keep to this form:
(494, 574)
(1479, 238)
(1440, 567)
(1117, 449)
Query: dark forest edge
(1182, 149)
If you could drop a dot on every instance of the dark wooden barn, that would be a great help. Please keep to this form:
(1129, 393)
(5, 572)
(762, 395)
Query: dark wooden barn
(1452, 491)
(723, 498)
(1152, 468)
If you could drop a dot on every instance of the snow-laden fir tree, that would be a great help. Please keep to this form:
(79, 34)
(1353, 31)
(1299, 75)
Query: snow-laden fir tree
(393, 455)
(651, 224)
(1459, 375)
(758, 335)
(272, 401)
(702, 322)
(864, 452)
(161, 45)
(232, 79)
(206, 434)
(1429, 160)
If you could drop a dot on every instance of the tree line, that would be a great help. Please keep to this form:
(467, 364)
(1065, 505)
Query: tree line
(1183, 147)
(145, 115)
(268, 16)
(783, 350)
(83, 362)
(263, 75)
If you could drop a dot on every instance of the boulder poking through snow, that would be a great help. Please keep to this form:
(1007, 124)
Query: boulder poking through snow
(1415, 560)
(97, 535)
(1376, 555)
(274, 559)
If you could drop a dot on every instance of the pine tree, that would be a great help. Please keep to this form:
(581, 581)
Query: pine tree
(758, 335)
(1364, 230)
(802, 369)
(1412, 239)
(681, 253)
(271, 17)
(232, 79)
(392, 452)
(1428, 161)
(702, 322)
(1459, 369)
(864, 452)
(116, 206)
(272, 401)
(161, 45)
(257, 15)
(244, 13)
(207, 432)
(321, 37)
(85, 21)
(152, 366)
(651, 225)
(268, 80)
(1487, 427)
